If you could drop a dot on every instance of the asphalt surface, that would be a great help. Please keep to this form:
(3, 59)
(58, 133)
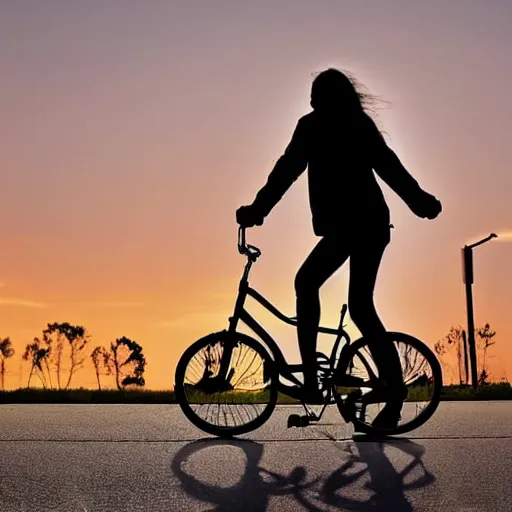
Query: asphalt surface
(150, 458)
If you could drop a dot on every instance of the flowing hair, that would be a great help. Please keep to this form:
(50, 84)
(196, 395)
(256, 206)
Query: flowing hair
(333, 89)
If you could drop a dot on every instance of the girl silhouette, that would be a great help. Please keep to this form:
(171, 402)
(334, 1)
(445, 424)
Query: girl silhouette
(342, 147)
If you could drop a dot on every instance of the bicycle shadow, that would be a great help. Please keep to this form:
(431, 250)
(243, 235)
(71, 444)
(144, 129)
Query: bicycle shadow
(252, 491)
(383, 488)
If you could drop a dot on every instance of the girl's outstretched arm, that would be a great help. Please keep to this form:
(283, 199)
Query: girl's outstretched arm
(388, 166)
(287, 169)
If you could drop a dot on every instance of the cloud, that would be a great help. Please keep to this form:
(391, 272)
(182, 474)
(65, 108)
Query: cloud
(6, 301)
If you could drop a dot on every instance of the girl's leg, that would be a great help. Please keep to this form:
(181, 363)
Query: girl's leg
(365, 260)
(327, 257)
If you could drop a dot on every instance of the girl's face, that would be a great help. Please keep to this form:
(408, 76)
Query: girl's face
(323, 97)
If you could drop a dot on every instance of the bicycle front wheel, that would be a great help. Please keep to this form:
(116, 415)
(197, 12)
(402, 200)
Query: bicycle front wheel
(363, 391)
(226, 384)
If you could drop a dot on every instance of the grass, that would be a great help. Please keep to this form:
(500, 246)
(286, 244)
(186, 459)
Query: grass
(497, 391)
(494, 391)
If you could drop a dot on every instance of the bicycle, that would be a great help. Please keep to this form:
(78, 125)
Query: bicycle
(232, 369)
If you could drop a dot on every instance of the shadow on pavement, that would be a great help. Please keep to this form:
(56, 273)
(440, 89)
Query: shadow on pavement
(386, 485)
(366, 481)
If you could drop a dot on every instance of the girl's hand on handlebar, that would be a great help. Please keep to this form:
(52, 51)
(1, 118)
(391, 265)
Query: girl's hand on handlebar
(248, 216)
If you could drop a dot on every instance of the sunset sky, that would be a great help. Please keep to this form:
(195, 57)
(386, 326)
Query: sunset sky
(131, 131)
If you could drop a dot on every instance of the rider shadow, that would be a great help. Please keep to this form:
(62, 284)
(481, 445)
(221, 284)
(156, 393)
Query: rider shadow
(384, 488)
(386, 485)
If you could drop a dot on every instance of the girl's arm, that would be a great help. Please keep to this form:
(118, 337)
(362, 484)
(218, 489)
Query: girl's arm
(287, 169)
(388, 166)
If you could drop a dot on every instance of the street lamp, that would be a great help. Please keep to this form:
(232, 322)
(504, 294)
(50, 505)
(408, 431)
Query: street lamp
(467, 277)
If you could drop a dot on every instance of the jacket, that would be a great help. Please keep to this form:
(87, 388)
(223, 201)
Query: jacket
(342, 155)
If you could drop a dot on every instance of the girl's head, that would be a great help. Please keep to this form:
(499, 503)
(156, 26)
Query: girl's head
(333, 90)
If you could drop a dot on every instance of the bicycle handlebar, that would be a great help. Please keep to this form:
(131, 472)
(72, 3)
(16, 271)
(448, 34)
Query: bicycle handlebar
(246, 249)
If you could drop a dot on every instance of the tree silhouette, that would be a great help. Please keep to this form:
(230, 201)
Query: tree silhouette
(58, 341)
(485, 335)
(452, 343)
(129, 363)
(6, 351)
(70, 339)
(38, 357)
(40, 352)
(102, 359)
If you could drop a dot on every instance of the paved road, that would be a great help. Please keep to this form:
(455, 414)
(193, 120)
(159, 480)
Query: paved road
(149, 458)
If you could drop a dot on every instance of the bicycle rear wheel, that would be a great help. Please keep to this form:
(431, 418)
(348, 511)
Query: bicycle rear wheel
(362, 393)
(226, 400)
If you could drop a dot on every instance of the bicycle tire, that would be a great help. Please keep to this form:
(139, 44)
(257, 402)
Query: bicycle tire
(270, 373)
(355, 347)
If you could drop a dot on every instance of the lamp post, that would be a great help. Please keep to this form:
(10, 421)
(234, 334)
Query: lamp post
(467, 276)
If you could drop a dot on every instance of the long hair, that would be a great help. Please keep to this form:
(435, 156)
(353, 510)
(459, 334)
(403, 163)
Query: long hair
(339, 91)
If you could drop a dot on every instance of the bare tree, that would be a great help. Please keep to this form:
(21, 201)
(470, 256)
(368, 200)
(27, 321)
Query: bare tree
(452, 344)
(129, 363)
(485, 335)
(64, 339)
(102, 360)
(6, 351)
(44, 346)
(38, 357)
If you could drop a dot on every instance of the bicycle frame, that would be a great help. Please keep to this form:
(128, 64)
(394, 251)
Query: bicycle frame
(240, 314)
(336, 379)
